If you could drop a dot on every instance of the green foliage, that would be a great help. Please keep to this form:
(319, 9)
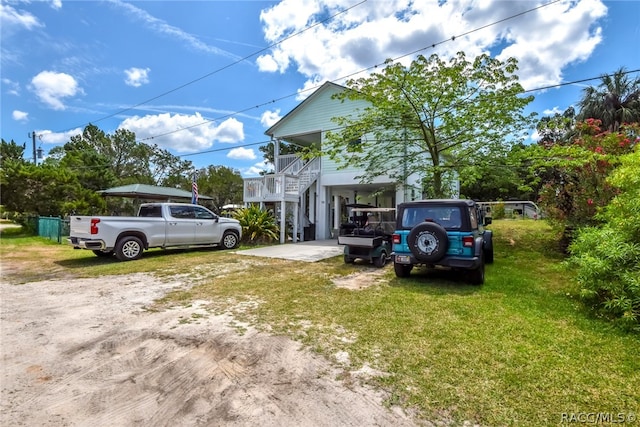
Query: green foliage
(498, 211)
(615, 101)
(68, 181)
(504, 176)
(225, 185)
(258, 226)
(11, 151)
(575, 175)
(423, 119)
(608, 257)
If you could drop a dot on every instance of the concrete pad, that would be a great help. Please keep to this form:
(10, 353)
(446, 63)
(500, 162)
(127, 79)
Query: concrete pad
(311, 251)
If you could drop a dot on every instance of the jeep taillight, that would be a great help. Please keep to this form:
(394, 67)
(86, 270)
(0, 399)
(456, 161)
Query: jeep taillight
(467, 241)
(396, 239)
(94, 225)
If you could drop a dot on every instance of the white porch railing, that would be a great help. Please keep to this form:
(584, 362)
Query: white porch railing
(283, 162)
(287, 185)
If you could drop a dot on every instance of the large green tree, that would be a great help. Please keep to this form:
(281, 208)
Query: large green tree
(432, 118)
(615, 101)
(225, 185)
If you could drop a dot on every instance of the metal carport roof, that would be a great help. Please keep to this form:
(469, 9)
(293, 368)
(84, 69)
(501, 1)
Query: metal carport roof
(149, 192)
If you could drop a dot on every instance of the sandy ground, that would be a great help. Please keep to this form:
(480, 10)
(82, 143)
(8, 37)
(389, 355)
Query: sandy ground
(89, 352)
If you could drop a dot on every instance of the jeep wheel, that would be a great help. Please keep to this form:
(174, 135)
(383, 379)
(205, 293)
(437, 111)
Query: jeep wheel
(129, 248)
(402, 270)
(381, 260)
(476, 277)
(348, 259)
(488, 247)
(428, 241)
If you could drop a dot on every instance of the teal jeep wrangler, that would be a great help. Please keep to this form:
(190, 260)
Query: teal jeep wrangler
(445, 233)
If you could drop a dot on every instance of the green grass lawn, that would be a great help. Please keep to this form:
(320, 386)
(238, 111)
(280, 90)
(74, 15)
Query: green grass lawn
(519, 350)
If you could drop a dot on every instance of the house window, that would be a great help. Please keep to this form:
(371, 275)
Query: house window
(355, 143)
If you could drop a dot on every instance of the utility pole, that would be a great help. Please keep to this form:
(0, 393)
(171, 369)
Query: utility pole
(33, 139)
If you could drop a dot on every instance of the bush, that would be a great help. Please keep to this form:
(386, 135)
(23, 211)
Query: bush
(258, 226)
(498, 211)
(608, 257)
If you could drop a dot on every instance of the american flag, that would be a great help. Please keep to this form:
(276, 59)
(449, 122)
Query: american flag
(194, 192)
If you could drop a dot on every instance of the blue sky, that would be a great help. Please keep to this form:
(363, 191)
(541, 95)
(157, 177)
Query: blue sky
(205, 79)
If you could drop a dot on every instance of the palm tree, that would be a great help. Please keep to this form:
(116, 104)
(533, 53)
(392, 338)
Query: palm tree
(615, 101)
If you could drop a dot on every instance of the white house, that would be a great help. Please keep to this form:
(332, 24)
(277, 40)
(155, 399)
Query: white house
(312, 195)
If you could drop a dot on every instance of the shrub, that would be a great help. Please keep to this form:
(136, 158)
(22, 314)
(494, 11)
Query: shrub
(608, 257)
(258, 225)
(575, 185)
(498, 211)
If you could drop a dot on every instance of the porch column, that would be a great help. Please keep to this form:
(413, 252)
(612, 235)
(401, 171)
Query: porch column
(301, 211)
(276, 153)
(295, 222)
(283, 221)
(336, 212)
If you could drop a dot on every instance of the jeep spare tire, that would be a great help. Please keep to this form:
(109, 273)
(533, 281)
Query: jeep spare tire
(428, 242)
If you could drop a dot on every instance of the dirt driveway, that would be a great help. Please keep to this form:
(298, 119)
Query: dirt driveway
(89, 352)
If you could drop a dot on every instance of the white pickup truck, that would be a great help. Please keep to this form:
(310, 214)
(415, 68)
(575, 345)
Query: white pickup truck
(158, 225)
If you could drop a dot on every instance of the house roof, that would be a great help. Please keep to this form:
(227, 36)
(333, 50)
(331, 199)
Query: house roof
(325, 86)
(150, 192)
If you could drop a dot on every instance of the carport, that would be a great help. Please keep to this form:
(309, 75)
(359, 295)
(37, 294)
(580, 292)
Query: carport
(151, 193)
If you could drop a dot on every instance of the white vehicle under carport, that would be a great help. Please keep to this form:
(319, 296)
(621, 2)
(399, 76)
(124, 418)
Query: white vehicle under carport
(368, 235)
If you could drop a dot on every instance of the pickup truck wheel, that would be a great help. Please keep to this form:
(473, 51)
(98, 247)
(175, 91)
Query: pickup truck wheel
(428, 241)
(230, 240)
(402, 270)
(103, 254)
(129, 248)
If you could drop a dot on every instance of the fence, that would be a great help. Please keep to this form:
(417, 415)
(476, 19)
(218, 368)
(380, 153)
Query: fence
(53, 228)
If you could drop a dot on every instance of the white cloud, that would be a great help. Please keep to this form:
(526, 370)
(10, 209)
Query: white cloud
(51, 88)
(20, 116)
(255, 170)
(242, 153)
(197, 134)
(231, 130)
(56, 4)
(13, 88)
(50, 137)
(267, 63)
(137, 77)
(162, 27)
(269, 118)
(553, 111)
(544, 41)
(12, 18)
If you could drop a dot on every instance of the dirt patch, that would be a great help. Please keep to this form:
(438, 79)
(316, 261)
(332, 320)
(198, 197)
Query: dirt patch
(92, 352)
(361, 279)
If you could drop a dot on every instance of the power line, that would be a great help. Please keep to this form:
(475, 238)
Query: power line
(433, 45)
(182, 86)
(343, 127)
(312, 88)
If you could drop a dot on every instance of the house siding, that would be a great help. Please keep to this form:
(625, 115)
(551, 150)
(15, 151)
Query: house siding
(334, 185)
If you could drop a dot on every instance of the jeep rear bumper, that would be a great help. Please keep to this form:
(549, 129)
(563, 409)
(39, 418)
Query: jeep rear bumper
(465, 263)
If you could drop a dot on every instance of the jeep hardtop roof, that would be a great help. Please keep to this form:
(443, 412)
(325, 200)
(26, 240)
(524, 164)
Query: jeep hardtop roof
(448, 202)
